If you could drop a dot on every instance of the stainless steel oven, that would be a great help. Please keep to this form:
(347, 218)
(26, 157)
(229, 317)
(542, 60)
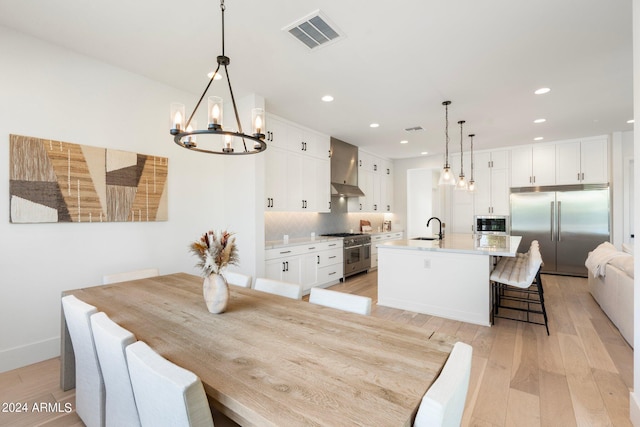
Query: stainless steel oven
(357, 252)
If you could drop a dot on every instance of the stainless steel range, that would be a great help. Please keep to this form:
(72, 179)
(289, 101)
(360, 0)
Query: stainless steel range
(357, 252)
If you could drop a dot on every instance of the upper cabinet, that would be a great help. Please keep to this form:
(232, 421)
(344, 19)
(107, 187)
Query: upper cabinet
(491, 174)
(533, 165)
(375, 179)
(582, 162)
(297, 170)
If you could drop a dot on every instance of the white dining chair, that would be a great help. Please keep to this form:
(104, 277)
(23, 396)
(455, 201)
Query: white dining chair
(90, 391)
(238, 279)
(277, 287)
(166, 394)
(111, 340)
(108, 279)
(340, 300)
(443, 404)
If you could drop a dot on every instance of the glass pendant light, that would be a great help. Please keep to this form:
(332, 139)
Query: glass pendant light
(461, 184)
(446, 177)
(472, 183)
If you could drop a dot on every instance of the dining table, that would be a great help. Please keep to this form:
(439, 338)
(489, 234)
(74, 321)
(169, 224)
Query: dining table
(275, 361)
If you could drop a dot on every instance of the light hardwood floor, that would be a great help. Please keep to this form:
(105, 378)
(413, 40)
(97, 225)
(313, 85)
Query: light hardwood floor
(580, 375)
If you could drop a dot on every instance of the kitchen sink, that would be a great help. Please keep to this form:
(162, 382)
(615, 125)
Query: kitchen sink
(424, 238)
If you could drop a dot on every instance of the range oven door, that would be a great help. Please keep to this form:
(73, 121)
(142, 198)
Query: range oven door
(357, 258)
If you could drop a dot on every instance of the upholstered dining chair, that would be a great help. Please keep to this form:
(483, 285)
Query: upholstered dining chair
(340, 300)
(238, 279)
(277, 287)
(443, 404)
(90, 391)
(111, 340)
(166, 394)
(108, 279)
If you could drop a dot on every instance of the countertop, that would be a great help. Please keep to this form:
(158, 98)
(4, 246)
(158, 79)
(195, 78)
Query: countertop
(463, 244)
(273, 244)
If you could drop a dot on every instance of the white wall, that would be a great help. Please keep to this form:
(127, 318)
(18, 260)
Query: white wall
(635, 395)
(50, 92)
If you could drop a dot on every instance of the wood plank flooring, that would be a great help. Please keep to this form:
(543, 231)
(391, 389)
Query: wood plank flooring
(580, 375)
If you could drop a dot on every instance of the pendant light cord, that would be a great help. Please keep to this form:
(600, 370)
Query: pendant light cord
(446, 133)
(461, 122)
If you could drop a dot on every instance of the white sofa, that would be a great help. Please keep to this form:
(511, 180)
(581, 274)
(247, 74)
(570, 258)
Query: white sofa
(614, 293)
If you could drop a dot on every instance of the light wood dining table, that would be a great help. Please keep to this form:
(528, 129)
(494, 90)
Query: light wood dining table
(274, 361)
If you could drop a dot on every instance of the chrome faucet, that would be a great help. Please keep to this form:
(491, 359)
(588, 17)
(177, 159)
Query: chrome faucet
(439, 222)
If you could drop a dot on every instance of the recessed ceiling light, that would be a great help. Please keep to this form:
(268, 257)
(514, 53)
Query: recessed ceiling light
(538, 138)
(630, 121)
(218, 76)
(424, 152)
(539, 120)
(542, 91)
(374, 125)
(327, 98)
(404, 141)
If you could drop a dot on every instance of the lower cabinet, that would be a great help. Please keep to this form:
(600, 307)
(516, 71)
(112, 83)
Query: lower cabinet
(309, 265)
(377, 239)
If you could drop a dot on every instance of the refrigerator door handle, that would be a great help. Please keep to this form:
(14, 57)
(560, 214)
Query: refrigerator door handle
(559, 220)
(551, 216)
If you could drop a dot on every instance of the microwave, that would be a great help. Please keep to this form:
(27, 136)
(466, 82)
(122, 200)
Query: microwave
(492, 224)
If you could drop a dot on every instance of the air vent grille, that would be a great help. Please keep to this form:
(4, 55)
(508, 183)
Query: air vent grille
(314, 30)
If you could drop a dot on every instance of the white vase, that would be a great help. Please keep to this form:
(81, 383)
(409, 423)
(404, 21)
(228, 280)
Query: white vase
(216, 293)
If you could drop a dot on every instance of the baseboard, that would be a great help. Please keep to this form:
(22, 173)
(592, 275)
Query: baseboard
(634, 409)
(18, 357)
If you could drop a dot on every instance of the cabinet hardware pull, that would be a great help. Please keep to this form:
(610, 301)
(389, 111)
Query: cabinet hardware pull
(311, 248)
(333, 272)
(583, 176)
(333, 244)
(285, 252)
(332, 257)
(287, 262)
(283, 266)
(360, 163)
(318, 259)
(375, 168)
(360, 206)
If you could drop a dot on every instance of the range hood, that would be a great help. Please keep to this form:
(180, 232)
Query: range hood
(344, 169)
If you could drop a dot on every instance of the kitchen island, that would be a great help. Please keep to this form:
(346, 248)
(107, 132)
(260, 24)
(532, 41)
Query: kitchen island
(446, 278)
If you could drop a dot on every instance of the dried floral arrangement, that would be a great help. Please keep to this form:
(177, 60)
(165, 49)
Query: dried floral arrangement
(215, 251)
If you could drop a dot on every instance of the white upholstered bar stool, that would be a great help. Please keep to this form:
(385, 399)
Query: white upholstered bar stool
(340, 300)
(90, 392)
(517, 286)
(108, 279)
(277, 287)
(443, 403)
(238, 279)
(111, 340)
(167, 395)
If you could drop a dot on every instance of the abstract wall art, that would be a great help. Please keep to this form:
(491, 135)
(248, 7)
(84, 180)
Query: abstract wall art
(54, 181)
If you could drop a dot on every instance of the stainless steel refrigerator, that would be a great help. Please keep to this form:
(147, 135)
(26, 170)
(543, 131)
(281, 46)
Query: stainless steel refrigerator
(568, 222)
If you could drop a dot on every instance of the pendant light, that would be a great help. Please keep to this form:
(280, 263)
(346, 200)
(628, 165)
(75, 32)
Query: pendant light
(472, 183)
(461, 184)
(185, 132)
(446, 177)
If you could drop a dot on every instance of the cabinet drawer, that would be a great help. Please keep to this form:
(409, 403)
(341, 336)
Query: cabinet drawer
(330, 273)
(285, 252)
(330, 257)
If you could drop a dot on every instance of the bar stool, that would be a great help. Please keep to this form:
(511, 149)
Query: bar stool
(518, 280)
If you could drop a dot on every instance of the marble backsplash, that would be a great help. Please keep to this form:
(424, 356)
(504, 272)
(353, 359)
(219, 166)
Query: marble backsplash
(302, 224)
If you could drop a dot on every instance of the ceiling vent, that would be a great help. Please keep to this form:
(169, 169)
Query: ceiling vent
(414, 129)
(314, 30)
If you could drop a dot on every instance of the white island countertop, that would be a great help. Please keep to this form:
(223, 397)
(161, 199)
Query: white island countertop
(462, 244)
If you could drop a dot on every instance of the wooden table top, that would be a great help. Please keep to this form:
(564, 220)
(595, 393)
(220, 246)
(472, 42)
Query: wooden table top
(270, 360)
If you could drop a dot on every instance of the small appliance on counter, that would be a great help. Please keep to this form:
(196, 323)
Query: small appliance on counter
(386, 226)
(492, 224)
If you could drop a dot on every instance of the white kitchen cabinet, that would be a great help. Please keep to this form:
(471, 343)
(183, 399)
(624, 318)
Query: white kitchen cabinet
(298, 172)
(376, 182)
(582, 162)
(533, 165)
(311, 264)
(461, 201)
(491, 174)
(380, 238)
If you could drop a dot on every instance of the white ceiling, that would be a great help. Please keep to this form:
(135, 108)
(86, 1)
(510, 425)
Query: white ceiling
(398, 62)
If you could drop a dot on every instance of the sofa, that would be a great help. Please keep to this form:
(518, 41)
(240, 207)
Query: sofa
(614, 290)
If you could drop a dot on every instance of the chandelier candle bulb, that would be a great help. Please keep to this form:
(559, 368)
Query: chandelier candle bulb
(257, 119)
(190, 140)
(215, 112)
(177, 117)
(227, 144)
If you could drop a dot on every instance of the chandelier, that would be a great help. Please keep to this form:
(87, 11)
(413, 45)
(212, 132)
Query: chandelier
(185, 133)
(446, 177)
